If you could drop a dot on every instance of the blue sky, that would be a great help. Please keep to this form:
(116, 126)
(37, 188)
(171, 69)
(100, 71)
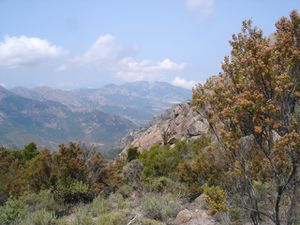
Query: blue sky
(89, 43)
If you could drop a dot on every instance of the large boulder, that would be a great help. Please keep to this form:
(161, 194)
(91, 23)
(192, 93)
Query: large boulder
(197, 217)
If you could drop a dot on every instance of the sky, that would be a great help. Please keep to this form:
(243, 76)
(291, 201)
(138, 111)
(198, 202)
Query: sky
(71, 44)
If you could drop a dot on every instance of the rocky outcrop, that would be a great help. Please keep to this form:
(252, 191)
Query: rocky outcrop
(178, 122)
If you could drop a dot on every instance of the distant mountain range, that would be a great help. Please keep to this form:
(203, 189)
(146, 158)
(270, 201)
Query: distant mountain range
(95, 116)
(138, 101)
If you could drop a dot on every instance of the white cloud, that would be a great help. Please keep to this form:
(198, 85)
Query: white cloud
(128, 69)
(105, 50)
(203, 8)
(108, 55)
(180, 82)
(25, 51)
(3, 85)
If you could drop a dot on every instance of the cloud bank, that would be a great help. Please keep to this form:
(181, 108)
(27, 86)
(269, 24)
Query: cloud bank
(107, 56)
(27, 51)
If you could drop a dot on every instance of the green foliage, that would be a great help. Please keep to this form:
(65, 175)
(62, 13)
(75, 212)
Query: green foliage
(100, 205)
(43, 200)
(27, 153)
(160, 161)
(159, 207)
(118, 201)
(12, 212)
(146, 221)
(216, 197)
(160, 184)
(132, 154)
(40, 217)
(206, 166)
(30, 151)
(125, 190)
(113, 218)
(72, 192)
(82, 217)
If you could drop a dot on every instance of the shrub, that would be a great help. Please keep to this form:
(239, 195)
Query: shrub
(43, 200)
(132, 154)
(205, 167)
(216, 198)
(118, 201)
(160, 184)
(12, 212)
(100, 206)
(82, 217)
(159, 207)
(146, 221)
(125, 190)
(40, 217)
(160, 161)
(133, 171)
(113, 218)
(72, 192)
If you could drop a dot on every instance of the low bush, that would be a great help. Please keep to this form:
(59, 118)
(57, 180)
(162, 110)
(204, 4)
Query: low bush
(160, 161)
(216, 198)
(72, 192)
(100, 206)
(146, 221)
(125, 190)
(40, 217)
(159, 207)
(132, 154)
(133, 171)
(159, 184)
(82, 216)
(12, 212)
(113, 218)
(43, 200)
(118, 201)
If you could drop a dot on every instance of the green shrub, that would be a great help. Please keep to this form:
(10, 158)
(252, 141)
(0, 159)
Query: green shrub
(43, 200)
(132, 154)
(113, 218)
(100, 206)
(40, 217)
(146, 221)
(159, 207)
(118, 201)
(125, 190)
(82, 216)
(160, 161)
(12, 212)
(73, 191)
(216, 197)
(159, 184)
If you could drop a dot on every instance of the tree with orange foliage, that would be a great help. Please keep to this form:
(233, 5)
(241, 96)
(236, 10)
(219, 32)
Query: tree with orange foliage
(253, 109)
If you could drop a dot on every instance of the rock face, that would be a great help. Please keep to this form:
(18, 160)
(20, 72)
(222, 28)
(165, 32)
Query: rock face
(178, 122)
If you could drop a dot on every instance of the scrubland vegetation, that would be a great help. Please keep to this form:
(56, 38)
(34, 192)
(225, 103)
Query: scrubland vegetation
(248, 166)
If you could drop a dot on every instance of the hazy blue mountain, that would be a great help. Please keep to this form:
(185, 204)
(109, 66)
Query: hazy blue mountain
(137, 101)
(49, 123)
